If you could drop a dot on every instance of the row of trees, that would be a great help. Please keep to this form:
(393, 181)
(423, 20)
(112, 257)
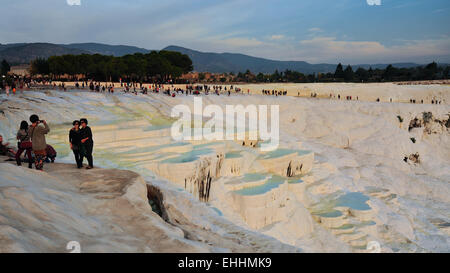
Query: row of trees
(154, 66)
(429, 72)
(165, 65)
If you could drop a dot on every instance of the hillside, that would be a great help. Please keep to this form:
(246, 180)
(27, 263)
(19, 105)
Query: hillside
(25, 53)
(21, 53)
(231, 62)
(115, 50)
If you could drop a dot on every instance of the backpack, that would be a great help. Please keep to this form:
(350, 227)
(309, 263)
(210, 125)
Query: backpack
(25, 144)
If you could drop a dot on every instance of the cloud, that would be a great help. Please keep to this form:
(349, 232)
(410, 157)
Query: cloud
(208, 27)
(324, 49)
(238, 43)
(330, 44)
(315, 29)
(330, 49)
(374, 2)
(74, 2)
(276, 37)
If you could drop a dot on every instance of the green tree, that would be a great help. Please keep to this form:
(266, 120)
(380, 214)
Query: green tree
(446, 72)
(5, 67)
(179, 63)
(56, 66)
(361, 75)
(311, 77)
(348, 74)
(389, 73)
(430, 71)
(240, 76)
(201, 76)
(275, 77)
(260, 77)
(339, 73)
(40, 66)
(370, 73)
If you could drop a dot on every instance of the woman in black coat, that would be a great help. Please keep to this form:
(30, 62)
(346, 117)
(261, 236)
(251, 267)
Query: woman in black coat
(87, 143)
(75, 142)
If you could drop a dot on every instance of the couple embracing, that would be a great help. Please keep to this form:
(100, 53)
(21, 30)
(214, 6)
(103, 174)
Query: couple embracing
(82, 143)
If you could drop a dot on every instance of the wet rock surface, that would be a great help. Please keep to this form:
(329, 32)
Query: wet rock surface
(105, 211)
(347, 186)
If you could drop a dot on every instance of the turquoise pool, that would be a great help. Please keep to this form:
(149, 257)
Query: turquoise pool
(283, 152)
(155, 128)
(353, 200)
(233, 155)
(155, 148)
(331, 214)
(188, 157)
(204, 145)
(251, 177)
(295, 181)
(272, 183)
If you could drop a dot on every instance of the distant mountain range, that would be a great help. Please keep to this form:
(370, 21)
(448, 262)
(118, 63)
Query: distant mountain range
(115, 50)
(232, 62)
(26, 52)
(22, 53)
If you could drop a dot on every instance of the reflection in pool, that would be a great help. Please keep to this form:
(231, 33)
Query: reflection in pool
(270, 184)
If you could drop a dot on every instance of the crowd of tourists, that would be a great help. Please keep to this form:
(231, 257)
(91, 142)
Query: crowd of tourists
(31, 141)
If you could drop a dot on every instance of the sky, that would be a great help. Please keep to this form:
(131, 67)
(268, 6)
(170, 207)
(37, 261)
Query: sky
(316, 31)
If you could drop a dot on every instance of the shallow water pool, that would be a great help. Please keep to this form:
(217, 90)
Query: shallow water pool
(272, 183)
(353, 200)
(233, 155)
(283, 152)
(188, 157)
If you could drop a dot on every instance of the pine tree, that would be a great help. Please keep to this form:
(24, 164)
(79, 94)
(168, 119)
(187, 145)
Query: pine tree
(348, 74)
(339, 74)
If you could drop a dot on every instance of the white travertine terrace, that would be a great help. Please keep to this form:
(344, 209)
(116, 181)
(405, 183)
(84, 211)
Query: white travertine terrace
(337, 181)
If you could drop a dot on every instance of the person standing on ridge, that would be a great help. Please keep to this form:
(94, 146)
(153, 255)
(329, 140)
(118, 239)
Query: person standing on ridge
(37, 134)
(87, 143)
(75, 142)
(24, 144)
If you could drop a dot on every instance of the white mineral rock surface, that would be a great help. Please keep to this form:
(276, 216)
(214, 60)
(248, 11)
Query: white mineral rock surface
(338, 180)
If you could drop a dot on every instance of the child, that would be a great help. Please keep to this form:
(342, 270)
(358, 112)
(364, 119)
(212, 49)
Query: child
(24, 144)
(4, 150)
(51, 154)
